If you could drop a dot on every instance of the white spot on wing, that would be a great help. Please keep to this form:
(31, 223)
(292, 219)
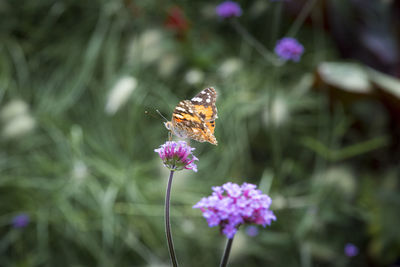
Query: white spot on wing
(208, 100)
(196, 99)
(180, 109)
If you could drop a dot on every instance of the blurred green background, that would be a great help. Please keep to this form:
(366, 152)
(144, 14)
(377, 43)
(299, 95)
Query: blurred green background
(79, 85)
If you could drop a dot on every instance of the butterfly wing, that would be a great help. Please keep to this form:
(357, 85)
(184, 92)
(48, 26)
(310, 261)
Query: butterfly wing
(183, 112)
(211, 126)
(187, 123)
(195, 118)
(204, 104)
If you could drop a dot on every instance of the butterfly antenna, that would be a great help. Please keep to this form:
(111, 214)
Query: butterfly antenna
(159, 113)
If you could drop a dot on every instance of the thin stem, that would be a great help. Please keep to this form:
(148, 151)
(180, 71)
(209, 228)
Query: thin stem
(276, 22)
(305, 11)
(224, 260)
(259, 47)
(167, 223)
(274, 134)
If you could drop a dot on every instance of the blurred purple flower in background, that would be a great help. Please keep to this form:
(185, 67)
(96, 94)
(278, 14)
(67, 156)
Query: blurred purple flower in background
(20, 220)
(228, 9)
(289, 49)
(350, 250)
(252, 230)
(231, 205)
(177, 156)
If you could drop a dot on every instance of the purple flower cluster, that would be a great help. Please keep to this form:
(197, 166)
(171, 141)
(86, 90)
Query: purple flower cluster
(231, 205)
(228, 9)
(350, 250)
(177, 156)
(20, 220)
(289, 49)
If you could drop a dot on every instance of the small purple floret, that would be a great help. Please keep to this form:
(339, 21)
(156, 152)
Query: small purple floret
(228, 9)
(177, 156)
(289, 49)
(231, 205)
(20, 220)
(350, 250)
(252, 230)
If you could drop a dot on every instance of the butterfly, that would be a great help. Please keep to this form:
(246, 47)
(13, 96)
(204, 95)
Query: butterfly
(195, 118)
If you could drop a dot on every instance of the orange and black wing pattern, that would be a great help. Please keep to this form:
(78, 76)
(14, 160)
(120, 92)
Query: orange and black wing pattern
(195, 118)
(204, 103)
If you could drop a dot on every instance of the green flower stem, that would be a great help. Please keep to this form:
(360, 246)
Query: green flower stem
(259, 47)
(224, 260)
(167, 223)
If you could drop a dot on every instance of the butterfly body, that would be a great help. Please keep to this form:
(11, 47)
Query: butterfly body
(195, 118)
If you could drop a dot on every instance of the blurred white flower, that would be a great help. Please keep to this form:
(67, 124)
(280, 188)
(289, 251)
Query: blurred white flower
(350, 76)
(119, 94)
(79, 170)
(194, 76)
(230, 67)
(168, 64)
(17, 120)
(19, 126)
(13, 109)
(147, 47)
(278, 114)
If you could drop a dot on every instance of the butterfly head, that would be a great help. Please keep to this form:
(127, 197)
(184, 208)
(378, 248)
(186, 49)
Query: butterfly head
(168, 125)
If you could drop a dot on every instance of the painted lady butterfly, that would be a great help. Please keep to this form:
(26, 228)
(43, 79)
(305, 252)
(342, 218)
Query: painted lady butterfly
(195, 118)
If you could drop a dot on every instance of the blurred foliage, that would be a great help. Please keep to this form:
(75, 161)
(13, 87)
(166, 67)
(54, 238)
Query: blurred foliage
(91, 183)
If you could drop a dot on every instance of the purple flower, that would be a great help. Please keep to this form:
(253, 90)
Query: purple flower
(228, 9)
(177, 156)
(20, 220)
(350, 250)
(289, 49)
(231, 205)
